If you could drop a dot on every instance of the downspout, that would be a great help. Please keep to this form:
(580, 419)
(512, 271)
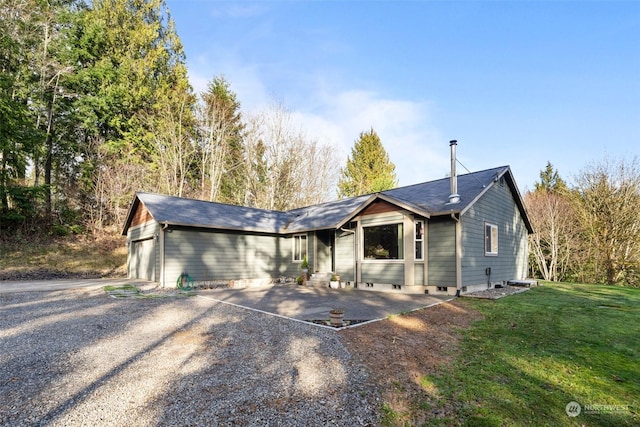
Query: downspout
(165, 226)
(458, 231)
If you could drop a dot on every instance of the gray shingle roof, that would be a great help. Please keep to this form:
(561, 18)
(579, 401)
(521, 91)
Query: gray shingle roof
(428, 198)
(433, 196)
(325, 215)
(198, 213)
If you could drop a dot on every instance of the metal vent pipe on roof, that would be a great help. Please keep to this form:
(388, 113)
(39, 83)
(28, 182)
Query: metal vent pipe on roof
(454, 197)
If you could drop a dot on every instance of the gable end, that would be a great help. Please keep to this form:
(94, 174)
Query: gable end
(141, 215)
(378, 207)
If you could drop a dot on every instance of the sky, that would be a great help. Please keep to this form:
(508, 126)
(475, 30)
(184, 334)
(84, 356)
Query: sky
(518, 83)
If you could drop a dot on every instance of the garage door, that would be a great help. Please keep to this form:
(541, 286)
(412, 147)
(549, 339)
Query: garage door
(143, 259)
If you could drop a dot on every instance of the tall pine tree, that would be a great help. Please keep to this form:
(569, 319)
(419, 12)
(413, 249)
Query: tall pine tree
(369, 169)
(220, 143)
(550, 180)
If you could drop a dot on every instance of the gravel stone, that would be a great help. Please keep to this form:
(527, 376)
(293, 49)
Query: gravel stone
(80, 358)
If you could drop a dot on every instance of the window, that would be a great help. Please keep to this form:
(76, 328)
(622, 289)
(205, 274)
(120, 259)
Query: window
(419, 239)
(383, 242)
(299, 247)
(490, 239)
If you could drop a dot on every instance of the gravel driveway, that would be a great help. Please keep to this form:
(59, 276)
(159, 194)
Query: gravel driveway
(79, 357)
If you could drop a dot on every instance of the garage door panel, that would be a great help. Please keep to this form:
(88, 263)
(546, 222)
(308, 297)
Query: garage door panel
(143, 259)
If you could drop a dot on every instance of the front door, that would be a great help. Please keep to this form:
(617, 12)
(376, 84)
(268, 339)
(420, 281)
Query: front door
(324, 241)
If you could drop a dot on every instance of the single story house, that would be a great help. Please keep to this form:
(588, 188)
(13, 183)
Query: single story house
(449, 236)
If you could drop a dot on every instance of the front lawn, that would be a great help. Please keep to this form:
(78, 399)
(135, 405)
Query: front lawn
(536, 352)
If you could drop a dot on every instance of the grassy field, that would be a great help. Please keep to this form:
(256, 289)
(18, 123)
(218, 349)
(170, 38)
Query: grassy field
(536, 352)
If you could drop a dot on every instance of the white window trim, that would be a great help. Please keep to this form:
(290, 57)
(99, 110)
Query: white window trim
(416, 240)
(495, 244)
(294, 252)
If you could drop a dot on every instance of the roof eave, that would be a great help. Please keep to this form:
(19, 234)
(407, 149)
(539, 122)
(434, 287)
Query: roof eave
(215, 227)
(506, 172)
(132, 209)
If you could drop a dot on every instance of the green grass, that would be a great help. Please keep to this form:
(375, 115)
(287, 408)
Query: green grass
(537, 351)
(131, 291)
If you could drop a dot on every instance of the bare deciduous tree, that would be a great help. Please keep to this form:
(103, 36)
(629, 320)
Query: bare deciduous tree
(172, 136)
(608, 197)
(555, 239)
(285, 169)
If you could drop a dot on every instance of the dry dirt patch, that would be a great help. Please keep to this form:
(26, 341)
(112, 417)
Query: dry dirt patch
(402, 351)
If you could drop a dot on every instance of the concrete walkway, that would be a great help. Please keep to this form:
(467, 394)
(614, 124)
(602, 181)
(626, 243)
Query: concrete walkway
(294, 301)
(314, 303)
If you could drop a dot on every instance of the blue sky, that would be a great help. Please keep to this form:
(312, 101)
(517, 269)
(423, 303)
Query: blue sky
(517, 83)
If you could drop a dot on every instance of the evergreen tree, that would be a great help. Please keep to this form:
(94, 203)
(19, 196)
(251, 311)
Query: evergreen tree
(368, 170)
(222, 151)
(550, 180)
(133, 102)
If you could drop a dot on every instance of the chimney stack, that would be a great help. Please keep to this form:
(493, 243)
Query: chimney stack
(454, 197)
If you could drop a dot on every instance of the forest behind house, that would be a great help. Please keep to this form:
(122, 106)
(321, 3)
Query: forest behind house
(95, 104)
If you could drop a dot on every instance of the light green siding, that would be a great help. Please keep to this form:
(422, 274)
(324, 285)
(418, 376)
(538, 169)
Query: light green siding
(495, 207)
(286, 266)
(442, 252)
(143, 231)
(344, 256)
(383, 272)
(207, 255)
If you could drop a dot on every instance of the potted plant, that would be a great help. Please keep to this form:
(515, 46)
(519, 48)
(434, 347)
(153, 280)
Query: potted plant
(304, 265)
(334, 283)
(336, 317)
(299, 280)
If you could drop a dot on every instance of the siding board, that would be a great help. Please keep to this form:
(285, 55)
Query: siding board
(344, 256)
(383, 272)
(496, 207)
(208, 256)
(442, 253)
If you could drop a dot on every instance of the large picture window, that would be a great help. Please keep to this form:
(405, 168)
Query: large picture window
(299, 247)
(490, 239)
(419, 240)
(383, 242)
